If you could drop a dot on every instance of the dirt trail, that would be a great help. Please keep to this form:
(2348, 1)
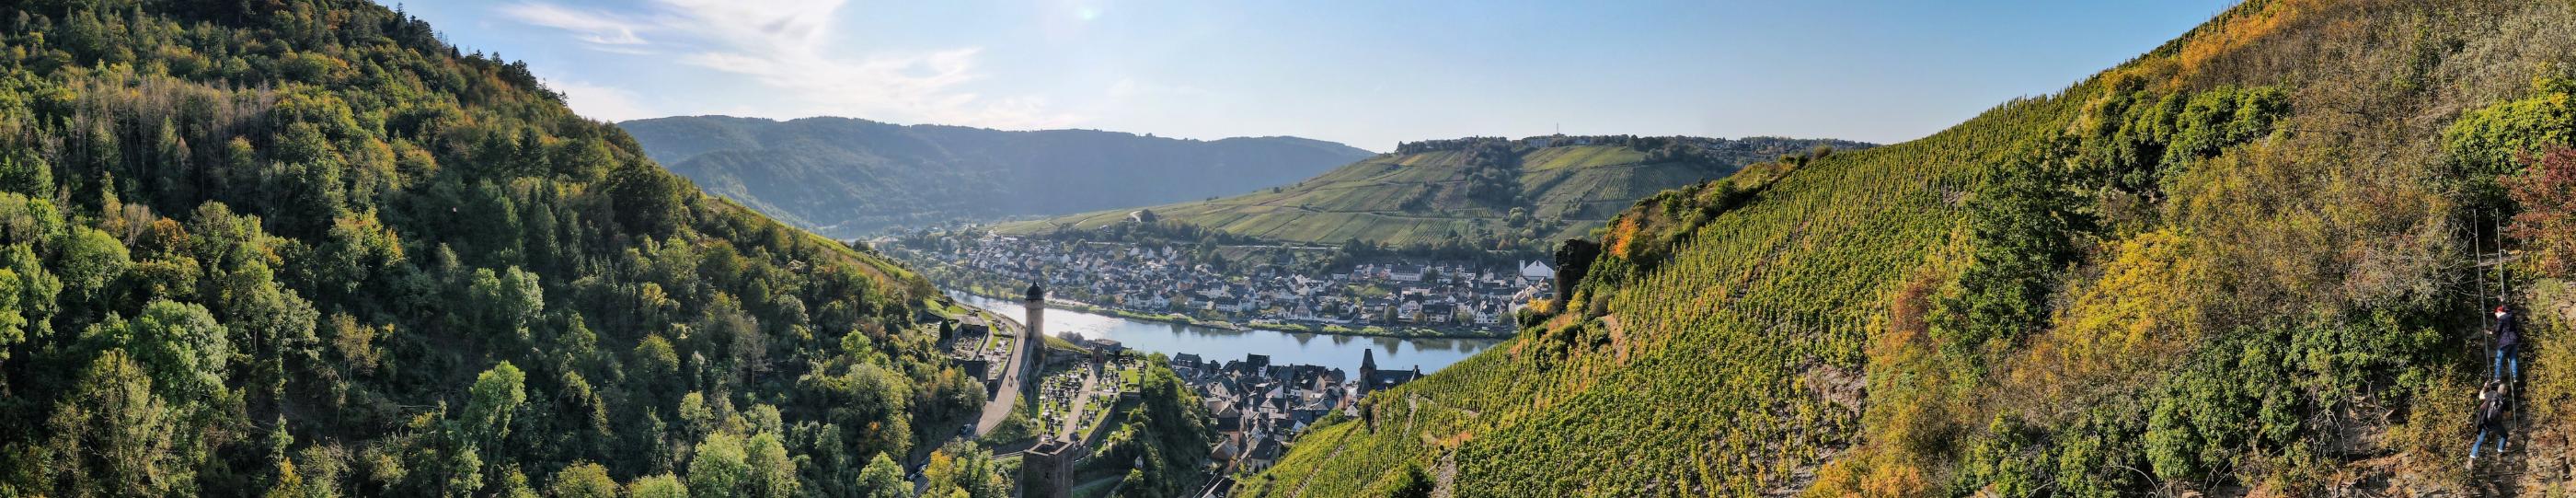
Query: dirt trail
(1444, 478)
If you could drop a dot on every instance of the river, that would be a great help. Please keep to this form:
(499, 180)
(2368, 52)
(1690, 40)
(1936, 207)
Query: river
(1284, 348)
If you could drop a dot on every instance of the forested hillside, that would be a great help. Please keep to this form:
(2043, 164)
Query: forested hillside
(1492, 193)
(2244, 263)
(305, 248)
(846, 177)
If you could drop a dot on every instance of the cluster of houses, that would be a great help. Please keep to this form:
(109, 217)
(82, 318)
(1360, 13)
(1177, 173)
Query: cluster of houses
(1260, 407)
(1165, 280)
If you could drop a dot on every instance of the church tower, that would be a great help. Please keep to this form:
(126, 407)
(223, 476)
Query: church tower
(1368, 370)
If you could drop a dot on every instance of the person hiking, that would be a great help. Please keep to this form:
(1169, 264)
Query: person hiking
(2491, 417)
(2508, 335)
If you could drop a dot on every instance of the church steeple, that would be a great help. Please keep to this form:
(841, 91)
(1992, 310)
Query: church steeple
(1368, 370)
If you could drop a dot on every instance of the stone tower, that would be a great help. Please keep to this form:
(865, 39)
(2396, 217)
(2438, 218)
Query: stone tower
(1034, 337)
(1036, 304)
(1046, 471)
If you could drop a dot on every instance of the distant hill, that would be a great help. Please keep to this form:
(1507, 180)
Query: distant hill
(843, 177)
(1492, 191)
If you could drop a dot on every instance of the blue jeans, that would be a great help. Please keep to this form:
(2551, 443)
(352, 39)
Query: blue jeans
(2505, 359)
(2482, 443)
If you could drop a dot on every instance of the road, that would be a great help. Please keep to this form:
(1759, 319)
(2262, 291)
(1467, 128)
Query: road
(1009, 394)
(997, 409)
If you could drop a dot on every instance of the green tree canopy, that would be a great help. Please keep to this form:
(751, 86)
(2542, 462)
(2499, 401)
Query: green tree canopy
(720, 468)
(583, 480)
(883, 479)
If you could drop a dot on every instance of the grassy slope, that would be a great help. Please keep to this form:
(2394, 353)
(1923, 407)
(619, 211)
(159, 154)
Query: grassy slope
(1716, 374)
(1657, 404)
(1583, 185)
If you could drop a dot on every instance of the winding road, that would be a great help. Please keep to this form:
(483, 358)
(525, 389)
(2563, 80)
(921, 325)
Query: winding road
(1009, 394)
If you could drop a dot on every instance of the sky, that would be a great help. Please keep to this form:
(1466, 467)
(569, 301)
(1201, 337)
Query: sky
(1367, 73)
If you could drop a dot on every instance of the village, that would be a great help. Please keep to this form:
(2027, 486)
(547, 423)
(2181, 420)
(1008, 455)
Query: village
(1178, 283)
(1260, 408)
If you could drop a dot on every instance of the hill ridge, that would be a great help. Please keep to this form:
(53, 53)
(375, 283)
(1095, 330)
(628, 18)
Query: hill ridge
(1466, 191)
(847, 176)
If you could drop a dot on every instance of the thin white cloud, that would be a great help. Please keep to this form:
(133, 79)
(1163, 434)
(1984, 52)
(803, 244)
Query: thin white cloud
(788, 46)
(758, 23)
(625, 50)
(601, 102)
(592, 27)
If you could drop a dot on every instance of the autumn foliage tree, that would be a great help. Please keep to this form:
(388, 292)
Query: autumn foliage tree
(2547, 224)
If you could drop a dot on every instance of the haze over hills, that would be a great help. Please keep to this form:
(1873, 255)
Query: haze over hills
(844, 177)
(2243, 263)
(1490, 192)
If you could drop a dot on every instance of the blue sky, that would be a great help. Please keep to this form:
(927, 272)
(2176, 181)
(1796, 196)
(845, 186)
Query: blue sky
(1367, 73)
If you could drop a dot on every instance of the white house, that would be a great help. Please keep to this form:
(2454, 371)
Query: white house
(1537, 270)
(1486, 316)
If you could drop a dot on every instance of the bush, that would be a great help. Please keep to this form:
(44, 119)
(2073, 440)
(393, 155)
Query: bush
(2546, 192)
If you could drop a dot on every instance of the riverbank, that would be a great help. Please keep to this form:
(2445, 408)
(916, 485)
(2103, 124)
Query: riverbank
(1301, 328)
(1283, 348)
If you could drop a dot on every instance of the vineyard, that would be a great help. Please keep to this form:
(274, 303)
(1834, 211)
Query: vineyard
(1706, 352)
(2236, 264)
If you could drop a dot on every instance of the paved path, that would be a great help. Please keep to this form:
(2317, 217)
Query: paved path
(1073, 416)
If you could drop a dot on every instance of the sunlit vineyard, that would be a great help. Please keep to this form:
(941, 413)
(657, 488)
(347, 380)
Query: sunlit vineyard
(2215, 267)
(1706, 350)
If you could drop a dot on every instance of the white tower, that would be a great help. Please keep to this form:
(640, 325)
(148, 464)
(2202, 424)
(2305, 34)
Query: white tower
(1034, 338)
(1036, 305)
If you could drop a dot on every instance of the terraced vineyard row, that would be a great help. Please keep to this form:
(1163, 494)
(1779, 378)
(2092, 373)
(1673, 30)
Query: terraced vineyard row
(1712, 344)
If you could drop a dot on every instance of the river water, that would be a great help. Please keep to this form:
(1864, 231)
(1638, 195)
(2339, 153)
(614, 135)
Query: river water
(1284, 348)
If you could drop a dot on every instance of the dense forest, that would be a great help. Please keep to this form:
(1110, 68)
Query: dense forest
(2253, 261)
(306, 248)
(848, 177)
